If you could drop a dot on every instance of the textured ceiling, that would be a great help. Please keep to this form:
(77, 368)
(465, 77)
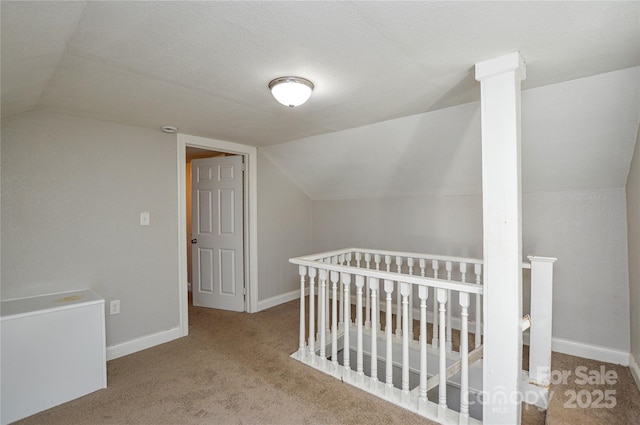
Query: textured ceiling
(204, 66)
(576, 135)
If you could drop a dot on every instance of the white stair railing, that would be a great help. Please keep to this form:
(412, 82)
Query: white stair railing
(385, 292)
(373, 281)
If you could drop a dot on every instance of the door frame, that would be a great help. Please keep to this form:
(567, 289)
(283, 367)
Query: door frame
(250, 211)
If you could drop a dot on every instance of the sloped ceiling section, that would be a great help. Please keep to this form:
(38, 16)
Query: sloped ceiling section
(204, 66)
(34, 37)
(575, 135)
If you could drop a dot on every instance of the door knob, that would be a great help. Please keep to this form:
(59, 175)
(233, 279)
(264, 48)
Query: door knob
(194, 240)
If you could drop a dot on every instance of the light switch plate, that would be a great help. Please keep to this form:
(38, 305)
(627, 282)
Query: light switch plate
(114, 307)
(145, 218)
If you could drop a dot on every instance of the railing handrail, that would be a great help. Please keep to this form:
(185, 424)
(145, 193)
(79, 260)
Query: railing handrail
(396, 277)
(337, 252)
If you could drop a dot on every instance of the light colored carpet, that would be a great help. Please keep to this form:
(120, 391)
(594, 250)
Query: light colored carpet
(234, 368)
(577, 400)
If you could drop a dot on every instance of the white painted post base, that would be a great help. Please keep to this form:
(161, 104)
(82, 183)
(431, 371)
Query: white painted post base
(541, 319)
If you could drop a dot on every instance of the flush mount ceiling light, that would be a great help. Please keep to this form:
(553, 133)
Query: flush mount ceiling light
(291, 91)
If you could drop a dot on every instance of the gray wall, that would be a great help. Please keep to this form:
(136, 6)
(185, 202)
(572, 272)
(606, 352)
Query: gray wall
(72, 192)
(284, 230)
(584, 229)
(633, 217)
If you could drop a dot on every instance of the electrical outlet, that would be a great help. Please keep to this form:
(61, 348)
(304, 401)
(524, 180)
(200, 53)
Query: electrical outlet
(114, 307)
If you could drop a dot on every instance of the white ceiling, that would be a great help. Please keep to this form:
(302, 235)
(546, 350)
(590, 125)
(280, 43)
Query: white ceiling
(576, 135)
(204, 66)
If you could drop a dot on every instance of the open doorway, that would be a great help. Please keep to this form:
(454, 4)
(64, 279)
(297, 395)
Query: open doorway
(205, 146)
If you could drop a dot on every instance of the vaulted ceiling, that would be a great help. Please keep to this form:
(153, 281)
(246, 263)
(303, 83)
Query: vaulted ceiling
(576, 135)
(204, 66)
(394, 111)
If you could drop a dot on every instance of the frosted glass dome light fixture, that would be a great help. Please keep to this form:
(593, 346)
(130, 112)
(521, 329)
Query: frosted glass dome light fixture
(291, 91)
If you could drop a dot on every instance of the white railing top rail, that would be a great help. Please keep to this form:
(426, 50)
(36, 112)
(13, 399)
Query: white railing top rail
(414, 255)
(383, 275)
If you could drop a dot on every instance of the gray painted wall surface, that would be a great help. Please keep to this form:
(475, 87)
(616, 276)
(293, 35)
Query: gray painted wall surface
(284, 230)
(72, 192)
(633, 217)
(585, 229)
(73, 189)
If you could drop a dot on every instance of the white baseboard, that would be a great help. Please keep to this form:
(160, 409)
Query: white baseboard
(594, 352)
(559, 345)
(139, 344)
(635, 370)
(280, 299)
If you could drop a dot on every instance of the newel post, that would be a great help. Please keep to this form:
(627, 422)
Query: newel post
(502, 229)
(541, 319)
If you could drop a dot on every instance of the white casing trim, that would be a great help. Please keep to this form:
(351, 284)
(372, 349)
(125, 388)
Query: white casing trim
(251, 221)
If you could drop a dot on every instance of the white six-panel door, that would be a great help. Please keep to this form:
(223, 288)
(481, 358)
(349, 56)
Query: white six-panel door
(217, 233)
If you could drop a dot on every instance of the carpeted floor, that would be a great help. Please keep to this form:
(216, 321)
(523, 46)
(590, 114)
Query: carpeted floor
(234, 368)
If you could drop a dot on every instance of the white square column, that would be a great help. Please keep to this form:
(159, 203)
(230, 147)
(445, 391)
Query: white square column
(502, 232)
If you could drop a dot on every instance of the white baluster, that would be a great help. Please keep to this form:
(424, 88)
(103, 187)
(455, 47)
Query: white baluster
(423, 267)
(341, 301)
(358, 259)
(374, 285)
(463, 272)
(341, 259)
(326, 309)
(376, 259)
(367, 309)
(387, 262)
(410, 264)
(303, 271)
(322, 322)
(347, 259)
(334, 320)
(464, 358)
(360, 349)
(398, 301)
(388, 289)
(435, 342)
(442, 390)
(423, 295)
(405, 290)
(411, 314)
(449, 268)
(334, 260)
(312, 314)
(346, 355)
(477, 268)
